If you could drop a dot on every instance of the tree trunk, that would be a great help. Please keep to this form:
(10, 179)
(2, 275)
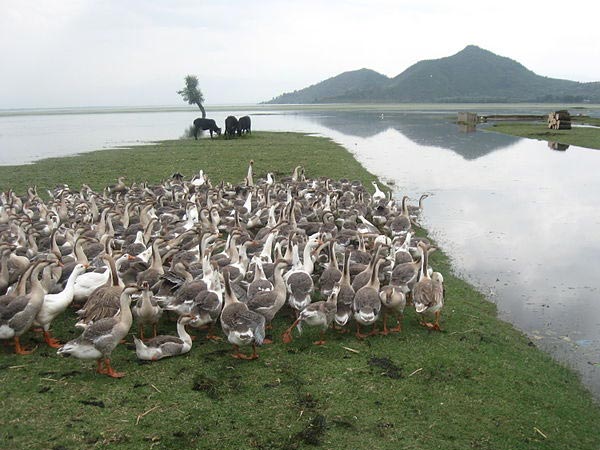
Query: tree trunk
(202, 109)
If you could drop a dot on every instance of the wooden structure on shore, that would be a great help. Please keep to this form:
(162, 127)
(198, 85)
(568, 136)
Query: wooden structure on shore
(467, 118)
(559, 120)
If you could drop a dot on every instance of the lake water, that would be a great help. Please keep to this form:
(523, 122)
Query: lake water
(519, 219)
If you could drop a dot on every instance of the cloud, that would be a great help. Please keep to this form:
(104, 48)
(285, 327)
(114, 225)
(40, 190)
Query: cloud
(82, 52)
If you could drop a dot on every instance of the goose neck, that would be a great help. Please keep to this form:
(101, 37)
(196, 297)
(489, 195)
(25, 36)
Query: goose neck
(79, 253)
(182, 332)
(125, 317)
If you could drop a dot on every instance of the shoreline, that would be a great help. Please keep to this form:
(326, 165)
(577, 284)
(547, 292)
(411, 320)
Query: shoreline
(581, 136)
(260, 107)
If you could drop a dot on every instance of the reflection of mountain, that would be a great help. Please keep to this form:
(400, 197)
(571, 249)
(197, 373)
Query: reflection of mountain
(439, 131)
(352, 123)
(435, 130)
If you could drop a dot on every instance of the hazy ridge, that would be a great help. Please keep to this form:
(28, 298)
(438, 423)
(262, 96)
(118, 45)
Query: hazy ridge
(472, 75)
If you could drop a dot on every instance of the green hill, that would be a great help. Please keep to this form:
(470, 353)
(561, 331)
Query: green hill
(471, 75)
(344, 84)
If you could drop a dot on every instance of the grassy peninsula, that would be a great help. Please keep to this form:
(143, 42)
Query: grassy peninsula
(588, 137)
(479, 384)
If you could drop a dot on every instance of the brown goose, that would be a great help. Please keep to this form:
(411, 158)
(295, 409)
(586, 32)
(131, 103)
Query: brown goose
(415, 211)
(17, 312)
(104, 301)
(208, 304)
(146, 311)
(260, 281)
(405, 275)
(100, 338)
(367, 304)
(241, 325)
(401, 224)
(393, 300)
(319, 314)
(268, 303)
(298, 280)
(345, 295)
(152, 275)
(363, 277)
(332, 274)
(186, 293)
(4, 274)
(428, 293)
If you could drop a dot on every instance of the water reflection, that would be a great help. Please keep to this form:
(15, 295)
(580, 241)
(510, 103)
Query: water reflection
(467, 127)
(558, 146)
(424, 129)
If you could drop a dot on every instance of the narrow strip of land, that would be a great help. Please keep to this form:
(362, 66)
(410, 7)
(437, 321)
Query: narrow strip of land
(588, 136)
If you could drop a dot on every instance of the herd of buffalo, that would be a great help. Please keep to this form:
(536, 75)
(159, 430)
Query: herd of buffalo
(233, 126)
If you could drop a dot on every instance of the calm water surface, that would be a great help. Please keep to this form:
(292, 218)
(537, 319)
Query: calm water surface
(519, 219)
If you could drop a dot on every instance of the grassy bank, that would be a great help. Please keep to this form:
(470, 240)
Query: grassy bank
(580, 136)
(480, 384)
(222, 159)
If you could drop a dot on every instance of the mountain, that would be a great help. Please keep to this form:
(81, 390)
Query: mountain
(341, 85)
(471, 75)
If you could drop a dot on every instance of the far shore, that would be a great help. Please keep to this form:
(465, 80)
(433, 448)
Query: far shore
(261, 107)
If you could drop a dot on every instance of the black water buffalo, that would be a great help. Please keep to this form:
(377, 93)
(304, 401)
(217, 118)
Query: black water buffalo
(206, 124)
(244, 126)
(231, 127)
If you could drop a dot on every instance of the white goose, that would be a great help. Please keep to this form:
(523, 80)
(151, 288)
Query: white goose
(379, 194)
(55, 304)
(162, 346)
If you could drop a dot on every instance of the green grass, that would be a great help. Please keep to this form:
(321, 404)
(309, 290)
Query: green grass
(480, 384)
(221, 159)
(582, 137)
(587, 120)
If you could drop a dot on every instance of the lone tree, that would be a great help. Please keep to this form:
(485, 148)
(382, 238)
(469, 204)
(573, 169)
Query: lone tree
(192, 94)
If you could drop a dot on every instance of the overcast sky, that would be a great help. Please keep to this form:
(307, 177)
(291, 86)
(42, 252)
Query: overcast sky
(100, 53)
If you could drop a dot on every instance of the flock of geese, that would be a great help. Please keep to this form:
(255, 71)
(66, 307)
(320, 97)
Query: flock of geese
(325, 252)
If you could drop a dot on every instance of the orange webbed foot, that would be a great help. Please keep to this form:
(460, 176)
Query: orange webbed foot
(214, 337)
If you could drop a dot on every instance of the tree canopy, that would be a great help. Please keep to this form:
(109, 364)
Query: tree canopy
(192, 94)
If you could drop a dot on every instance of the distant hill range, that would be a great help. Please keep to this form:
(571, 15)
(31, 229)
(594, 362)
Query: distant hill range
(472, 75)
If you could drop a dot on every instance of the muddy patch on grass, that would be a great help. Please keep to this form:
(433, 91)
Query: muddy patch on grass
(344, 423)
(444, 373)
(208, 385)
(97, 403)
(307, 401)
(385, 367)
(215, 355)
(314, 432)
(70, 374)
